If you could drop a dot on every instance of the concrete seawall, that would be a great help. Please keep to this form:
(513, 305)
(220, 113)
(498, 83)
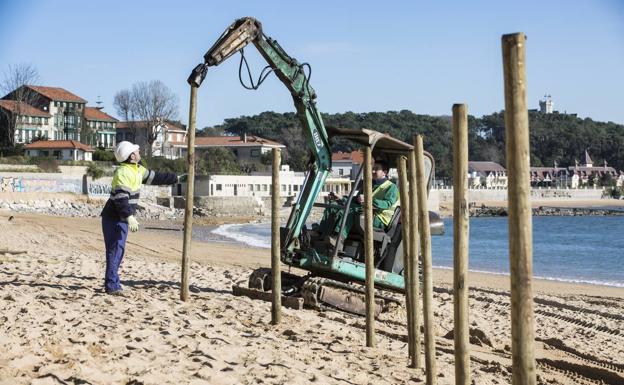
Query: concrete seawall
(445, 196)
(16, 182)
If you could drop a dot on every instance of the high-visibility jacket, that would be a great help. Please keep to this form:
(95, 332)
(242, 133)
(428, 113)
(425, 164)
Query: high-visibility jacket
(125, 189)
(385, 201)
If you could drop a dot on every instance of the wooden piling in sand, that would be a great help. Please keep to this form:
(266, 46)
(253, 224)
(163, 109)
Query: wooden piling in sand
(425, 250)
(460, 243)
(520, 227)
(369, 251)
(276, 274)
(190, 192)
(407, 258)
(414, 244)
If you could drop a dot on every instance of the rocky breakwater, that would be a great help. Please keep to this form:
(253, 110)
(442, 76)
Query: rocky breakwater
(84, 208)
(546, 211)
(575, 211)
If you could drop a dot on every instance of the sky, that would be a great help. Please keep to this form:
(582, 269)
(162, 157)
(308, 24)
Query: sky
(366, 56)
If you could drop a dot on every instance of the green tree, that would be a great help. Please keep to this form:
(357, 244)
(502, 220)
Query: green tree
(217, 160)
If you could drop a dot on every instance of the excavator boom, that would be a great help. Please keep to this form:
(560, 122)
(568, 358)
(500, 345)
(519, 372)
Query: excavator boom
(235, 38)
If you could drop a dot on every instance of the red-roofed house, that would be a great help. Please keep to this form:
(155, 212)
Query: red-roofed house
(346, 164)
(60, 149)
(31, 122)
(64, 109)
(101, 126)
(486, 174)
(247, 148)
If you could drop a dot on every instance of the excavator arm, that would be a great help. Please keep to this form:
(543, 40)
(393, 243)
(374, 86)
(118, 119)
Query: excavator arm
(249, 30)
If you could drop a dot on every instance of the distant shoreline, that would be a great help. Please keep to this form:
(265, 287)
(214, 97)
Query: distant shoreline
(550, 207)
(548, 211)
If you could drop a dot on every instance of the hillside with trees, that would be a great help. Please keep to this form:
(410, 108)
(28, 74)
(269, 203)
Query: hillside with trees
(561, 138)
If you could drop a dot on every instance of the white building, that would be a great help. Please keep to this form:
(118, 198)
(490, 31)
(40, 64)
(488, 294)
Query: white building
(486, 174)
(259, 185)
(60, 149)
(169, 142)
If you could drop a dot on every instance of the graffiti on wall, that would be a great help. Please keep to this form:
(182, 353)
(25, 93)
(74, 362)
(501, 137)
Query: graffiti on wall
(21, 184)
(99, 189)
(11, 184)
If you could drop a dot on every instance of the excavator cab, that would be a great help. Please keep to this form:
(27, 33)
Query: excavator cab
(322, 250)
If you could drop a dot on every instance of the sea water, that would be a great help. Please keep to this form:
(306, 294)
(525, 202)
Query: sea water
(587, 249)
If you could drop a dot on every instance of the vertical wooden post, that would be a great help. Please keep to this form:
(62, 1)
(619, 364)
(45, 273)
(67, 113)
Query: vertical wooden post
(407, 258)
(413, 254)
(460, 243)
(190, 193)
(520, 227)
(425, 247)
(369, 251)
(276, 303)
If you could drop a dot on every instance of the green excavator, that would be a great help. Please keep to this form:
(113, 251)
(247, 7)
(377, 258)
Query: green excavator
(335, 269)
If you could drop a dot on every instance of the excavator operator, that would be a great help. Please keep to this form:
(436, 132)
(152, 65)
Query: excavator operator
(385, 201)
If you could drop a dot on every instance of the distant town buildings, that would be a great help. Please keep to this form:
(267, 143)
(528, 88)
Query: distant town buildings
(493, 175)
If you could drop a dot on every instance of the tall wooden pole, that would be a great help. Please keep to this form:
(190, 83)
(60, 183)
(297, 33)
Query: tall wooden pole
(369, 251)
(425, 247)
(190, 193)
(413, 254)
(276, 304)
(407, 259)
(460, 243)
(520, 227)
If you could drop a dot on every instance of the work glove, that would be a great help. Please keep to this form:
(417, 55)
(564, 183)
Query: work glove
(133, 224)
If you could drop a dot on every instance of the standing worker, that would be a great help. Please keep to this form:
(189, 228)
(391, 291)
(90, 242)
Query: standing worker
(118, 214)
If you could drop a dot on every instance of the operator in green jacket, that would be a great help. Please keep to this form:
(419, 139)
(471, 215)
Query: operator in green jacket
(385, 201)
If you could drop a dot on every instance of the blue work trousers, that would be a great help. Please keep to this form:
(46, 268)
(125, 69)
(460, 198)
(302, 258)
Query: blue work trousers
(115, 234)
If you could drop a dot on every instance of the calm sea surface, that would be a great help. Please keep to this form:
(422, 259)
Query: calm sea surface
(575, 249)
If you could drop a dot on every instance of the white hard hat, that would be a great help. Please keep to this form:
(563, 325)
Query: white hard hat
(124, 149)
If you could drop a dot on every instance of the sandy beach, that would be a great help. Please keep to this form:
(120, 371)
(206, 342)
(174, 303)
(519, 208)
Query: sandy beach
(58, 327)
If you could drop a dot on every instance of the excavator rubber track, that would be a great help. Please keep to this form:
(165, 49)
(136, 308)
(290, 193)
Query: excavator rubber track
(261, 279)
(322, 293)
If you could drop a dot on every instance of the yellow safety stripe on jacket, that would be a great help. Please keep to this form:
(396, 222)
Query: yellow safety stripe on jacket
(128, 177)
(378, 193)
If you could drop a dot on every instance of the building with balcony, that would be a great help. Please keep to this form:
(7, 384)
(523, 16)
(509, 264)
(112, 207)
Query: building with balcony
(101, 128)
(29, 122)
(61, 113)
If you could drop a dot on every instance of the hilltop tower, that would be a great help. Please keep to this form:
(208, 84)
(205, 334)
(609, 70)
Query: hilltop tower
(547, 106)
